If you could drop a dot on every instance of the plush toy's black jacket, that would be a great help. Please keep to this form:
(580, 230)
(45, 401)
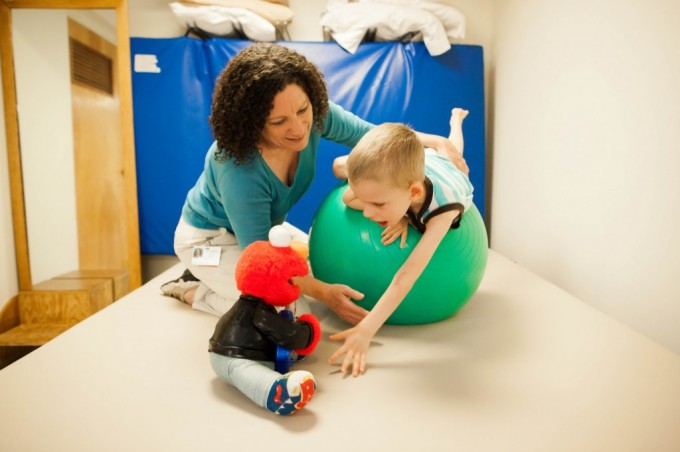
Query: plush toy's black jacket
(252, 329)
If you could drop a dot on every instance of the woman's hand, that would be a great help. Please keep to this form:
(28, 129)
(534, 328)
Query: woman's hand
(338, 297)
(392, 233)
(444, 147)
(459, 162)
(355, 348)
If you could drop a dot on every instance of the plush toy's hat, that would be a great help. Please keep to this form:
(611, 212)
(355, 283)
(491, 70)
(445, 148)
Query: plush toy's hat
(266, 268)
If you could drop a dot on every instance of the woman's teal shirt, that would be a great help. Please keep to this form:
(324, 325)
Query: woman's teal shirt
(249, 199)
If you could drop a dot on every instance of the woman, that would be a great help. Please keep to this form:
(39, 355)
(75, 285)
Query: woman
(270, 109)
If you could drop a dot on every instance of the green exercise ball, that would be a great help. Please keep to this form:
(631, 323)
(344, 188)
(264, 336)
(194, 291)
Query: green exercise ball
(345, 248)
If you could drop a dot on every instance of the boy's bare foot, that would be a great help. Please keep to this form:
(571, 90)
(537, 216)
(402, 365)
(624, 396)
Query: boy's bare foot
(457, 116)
(456, 137)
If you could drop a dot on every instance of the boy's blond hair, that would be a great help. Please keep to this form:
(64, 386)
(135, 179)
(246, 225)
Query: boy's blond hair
(390, 153)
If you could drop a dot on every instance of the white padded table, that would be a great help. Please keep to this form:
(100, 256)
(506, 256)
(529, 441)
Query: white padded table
(522, 367)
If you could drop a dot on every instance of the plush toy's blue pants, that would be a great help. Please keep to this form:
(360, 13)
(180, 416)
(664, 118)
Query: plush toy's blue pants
(253, 378)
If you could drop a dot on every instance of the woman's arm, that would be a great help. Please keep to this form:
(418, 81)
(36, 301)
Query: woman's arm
(358, 338)
(442, 145)
(338, 297)
(344, 127)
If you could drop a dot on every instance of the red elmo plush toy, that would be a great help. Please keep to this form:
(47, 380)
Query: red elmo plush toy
(253, 344)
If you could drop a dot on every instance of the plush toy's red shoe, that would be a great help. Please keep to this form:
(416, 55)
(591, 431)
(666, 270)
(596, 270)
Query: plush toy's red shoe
(291, 392)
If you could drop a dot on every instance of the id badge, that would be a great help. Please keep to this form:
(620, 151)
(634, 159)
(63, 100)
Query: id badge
(208, 256)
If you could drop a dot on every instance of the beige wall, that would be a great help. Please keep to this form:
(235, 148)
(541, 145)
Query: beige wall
(40, 39)
(586, 161)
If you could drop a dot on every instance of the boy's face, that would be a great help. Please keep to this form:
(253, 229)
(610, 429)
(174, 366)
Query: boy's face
(383, 203)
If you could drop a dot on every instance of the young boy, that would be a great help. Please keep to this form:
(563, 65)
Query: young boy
(394, 181)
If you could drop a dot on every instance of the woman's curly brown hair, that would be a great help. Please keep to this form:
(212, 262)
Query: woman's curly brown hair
(244, 96)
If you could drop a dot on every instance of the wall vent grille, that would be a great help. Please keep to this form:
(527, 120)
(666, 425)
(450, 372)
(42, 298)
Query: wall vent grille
(90, 67)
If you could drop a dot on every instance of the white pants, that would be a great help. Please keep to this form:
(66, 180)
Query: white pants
(217, 292)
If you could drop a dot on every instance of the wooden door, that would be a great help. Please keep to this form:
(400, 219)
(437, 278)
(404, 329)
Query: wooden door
(98, 149)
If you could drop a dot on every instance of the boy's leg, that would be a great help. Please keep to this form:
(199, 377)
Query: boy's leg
(281, 394)
(456, 123)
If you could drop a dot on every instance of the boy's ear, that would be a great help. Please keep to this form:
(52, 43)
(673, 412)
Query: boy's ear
(416, 190)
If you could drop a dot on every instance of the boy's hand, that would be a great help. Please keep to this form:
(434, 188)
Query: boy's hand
(392, 233)
(340, 167)
(355, 348)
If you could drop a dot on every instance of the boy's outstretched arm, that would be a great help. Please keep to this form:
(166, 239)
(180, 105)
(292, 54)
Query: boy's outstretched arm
(358, 338)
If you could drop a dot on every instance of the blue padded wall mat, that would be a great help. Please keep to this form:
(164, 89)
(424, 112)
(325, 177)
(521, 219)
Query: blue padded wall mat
(396, 82)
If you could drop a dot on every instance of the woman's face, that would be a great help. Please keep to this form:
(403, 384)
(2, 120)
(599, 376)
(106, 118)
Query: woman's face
(289, 123)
